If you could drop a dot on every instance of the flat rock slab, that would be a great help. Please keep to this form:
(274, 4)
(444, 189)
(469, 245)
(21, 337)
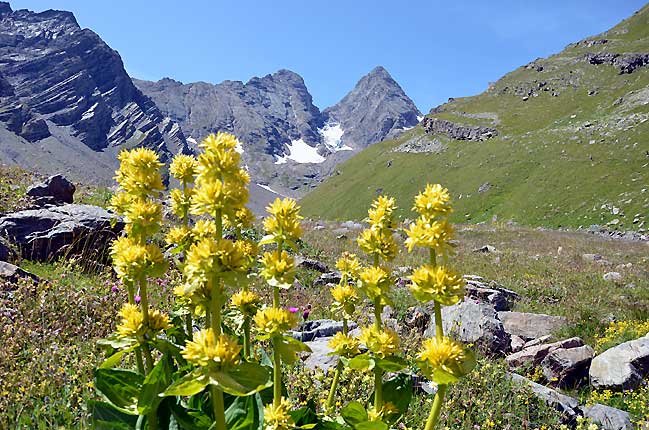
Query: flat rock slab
(473, 322)
(534, 355)
(12, 273)
(529, 325)
(608, 418)
(567, 367)
(561, 402)
(43, 234)
(319, 356)
(320, 328)
(622, 367)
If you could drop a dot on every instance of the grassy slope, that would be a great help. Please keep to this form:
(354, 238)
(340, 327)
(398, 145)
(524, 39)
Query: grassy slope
(545, 167)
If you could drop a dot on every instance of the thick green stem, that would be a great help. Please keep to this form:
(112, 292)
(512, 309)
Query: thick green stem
(130, 289)
(215, 307)
(334, 387)
(439, 328)
(277, 373)
(436, 409)
(144, 303)
(218, 407)
(246, 337)
(378, 372)
(189, 325)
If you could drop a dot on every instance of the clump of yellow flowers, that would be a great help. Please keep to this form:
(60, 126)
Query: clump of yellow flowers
(204, 353)
(441, 359)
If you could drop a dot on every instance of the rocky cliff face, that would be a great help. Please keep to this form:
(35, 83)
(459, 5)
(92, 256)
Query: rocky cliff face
(63, 83)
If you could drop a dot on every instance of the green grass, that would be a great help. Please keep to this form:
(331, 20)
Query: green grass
(545, 167)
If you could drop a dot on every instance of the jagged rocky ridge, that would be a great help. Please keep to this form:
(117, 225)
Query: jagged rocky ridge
(288, 143)
(66, 101)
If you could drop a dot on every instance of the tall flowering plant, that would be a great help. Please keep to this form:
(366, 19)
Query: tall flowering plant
(204, 371)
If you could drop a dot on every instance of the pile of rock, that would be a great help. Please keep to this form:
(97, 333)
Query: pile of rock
(58, 227)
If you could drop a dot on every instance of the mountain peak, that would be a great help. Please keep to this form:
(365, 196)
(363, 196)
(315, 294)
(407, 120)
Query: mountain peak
(379, 71)
(5, 8)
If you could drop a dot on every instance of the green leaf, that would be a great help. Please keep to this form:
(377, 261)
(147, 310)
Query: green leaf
(188, 385)
(391, 364)
(116, 358)
(361, 362)
(267, 240)
(154, 384)
(306, 417)
(245, 413)
(243, 380)
(189, 419)
(354, 413)
(398, 391)
(107, 417)
(372, 425)
(289, 348)
(120, 387)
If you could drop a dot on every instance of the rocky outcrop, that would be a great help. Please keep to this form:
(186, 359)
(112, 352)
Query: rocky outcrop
(458, 131)
(12, 274)
(501, 298)
(54, 190)
(622, 367)
(531, 326)
(626, 63)
(534, 355)
(63, 83)
(44, 234)
(473, 322)
(607, 418)
(320, 328)
(567, 367)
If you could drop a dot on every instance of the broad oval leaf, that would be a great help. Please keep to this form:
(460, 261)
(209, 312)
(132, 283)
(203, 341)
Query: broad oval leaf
(188, 385)
(354, 413)
(391, 364)
(243, 380)
(372, 425)
(361, 362)
(120, 387)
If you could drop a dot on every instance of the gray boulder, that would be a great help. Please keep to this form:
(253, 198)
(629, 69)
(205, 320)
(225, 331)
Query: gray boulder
(319, 356)
(327, 278)
(501, 298)
(566, 404)
(567, 367)
(531, 326)
(315, 329)
(310, 263)
(607, 418)
(54, 190)
(517, 343)
(12, 274)
(473, 322)
(43, 234)
(534, 355)
(622, 367)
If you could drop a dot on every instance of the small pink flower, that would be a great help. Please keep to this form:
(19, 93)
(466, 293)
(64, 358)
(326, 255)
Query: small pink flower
(138, 299)
(114, 288)
(292, 310)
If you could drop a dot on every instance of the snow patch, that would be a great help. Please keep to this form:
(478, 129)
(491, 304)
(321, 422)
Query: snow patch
(267, 188)
(419, 118)
(332, 134)
(192, 141)
(301, 152)
(239, 147)
(90, 112)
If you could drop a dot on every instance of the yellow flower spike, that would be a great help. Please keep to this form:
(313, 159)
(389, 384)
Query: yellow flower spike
(139, 172)
(378, 242)
(272, 322)
(246, 301)
(132, 324)
(278, 269)
(120, 202)
(207, 350)
(209, 258)
(344, 345)
(444, 361)
(219, 160)
(433, 201)
(143, 218)
(380, 214)
(374, 282)
(284, 220)
(183, 168)
(132, 260)
(383, 343)
(180, 201)
(203, 229)
(430, 234)
(178, 236)
(241, 219)
(348, 264)
(278, 418)
(345, 299)
(437, 283)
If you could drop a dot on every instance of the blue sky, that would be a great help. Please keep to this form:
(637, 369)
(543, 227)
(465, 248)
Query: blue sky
(434, 49)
